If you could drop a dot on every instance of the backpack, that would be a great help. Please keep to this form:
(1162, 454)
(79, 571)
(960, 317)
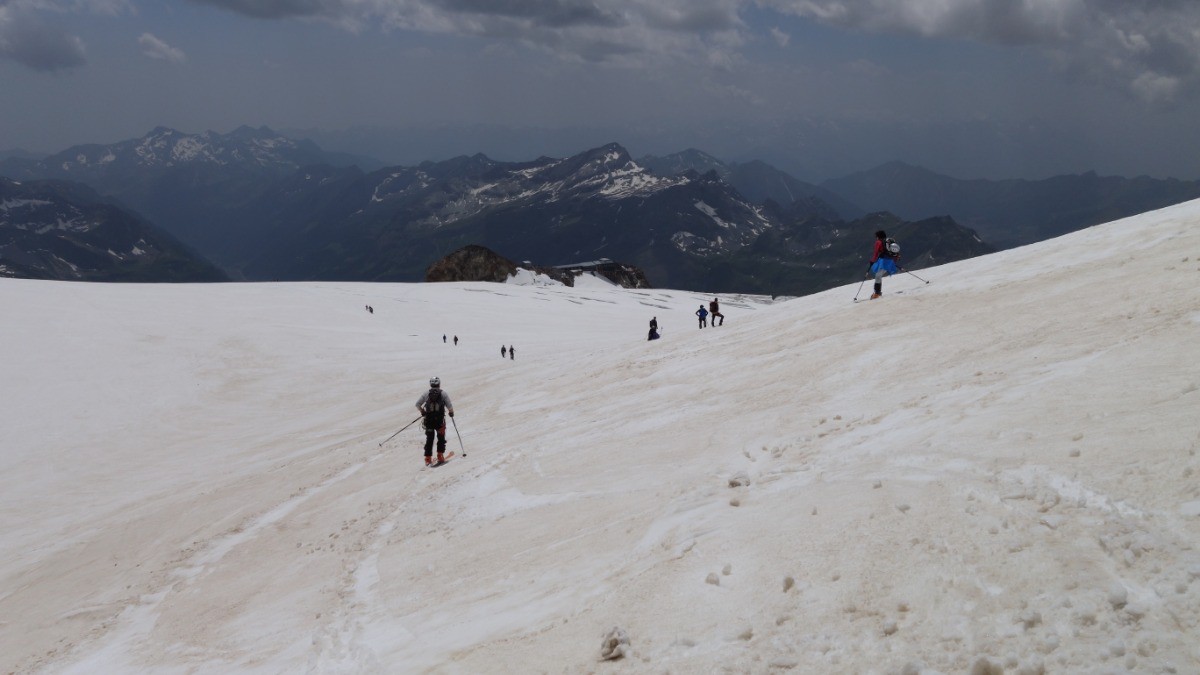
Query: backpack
(890, 248)
(435, 410)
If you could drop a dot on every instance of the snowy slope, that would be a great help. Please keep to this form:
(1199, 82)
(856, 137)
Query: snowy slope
(997, 469)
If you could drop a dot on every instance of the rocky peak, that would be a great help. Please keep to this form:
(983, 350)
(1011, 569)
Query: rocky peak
(479, 263)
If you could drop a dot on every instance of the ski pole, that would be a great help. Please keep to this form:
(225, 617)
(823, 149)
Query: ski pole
(460, 445)
(907, 272)
(398, 432)
(859, 289)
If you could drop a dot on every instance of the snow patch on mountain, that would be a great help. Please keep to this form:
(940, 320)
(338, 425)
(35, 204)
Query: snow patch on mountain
(188, 149)
(712, 213)
(524, 277)
(9, 204)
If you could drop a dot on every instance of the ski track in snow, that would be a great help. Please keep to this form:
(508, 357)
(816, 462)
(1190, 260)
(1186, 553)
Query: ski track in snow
(138, 621)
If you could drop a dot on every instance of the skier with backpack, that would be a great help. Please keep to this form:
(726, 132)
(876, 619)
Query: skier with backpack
(434, 405)
(714, 308)
(883, 260)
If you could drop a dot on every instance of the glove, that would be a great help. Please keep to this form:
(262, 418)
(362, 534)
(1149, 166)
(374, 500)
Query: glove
(452, 413)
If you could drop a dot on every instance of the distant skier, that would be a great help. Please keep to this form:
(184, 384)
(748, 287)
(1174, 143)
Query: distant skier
(715, 309)
(503, 351)
(654, 324)
(434, 406)
(883, 262)
(512, 353)
(443, 338)
(703, 314)
(455, 340)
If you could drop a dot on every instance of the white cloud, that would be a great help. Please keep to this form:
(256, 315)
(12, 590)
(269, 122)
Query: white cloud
(157, 49)
(1156, 88)
(781, 37)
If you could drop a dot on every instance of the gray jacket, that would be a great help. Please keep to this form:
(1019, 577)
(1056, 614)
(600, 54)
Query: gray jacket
(445, 399)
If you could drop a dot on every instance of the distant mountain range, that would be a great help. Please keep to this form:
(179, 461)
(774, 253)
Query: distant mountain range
(263, 206)
(204, 188)
(62, 230)
(758, 182)
(19, 153)
(1010, 213)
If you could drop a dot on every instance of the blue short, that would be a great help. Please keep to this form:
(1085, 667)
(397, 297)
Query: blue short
(886, 264)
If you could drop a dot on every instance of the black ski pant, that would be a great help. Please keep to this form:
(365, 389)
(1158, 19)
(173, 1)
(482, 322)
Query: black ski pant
(441, 440)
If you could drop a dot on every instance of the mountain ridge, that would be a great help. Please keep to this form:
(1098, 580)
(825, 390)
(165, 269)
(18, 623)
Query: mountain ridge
(1011, 212)
(264, 206)
(66, 231)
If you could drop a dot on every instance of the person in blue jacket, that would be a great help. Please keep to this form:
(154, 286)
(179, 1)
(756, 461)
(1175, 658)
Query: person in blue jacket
(883, 263)
(703, 314)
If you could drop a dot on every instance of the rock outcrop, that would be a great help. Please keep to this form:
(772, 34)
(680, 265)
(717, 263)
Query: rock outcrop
(479, 263)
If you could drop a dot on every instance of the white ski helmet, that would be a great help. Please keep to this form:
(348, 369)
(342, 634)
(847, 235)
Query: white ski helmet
(435, 383)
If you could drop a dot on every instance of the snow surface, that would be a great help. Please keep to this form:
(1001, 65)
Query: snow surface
(994, 472)
(524, 277)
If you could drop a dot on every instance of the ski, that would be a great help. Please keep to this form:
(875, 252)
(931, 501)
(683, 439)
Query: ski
(445, 458)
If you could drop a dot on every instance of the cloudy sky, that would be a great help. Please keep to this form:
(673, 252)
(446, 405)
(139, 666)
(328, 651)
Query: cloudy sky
(972, 88)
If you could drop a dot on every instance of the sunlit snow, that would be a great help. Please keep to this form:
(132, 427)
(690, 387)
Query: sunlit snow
(992, 472)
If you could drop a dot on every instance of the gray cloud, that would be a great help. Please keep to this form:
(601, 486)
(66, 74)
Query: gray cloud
(549, 13)
(28, 41)
(429, 13)
(1149, 47)
(1003, 21)
(591, 30)
(282, 9)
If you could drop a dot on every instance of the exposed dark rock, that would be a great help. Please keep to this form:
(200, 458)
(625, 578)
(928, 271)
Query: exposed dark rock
(479, 263)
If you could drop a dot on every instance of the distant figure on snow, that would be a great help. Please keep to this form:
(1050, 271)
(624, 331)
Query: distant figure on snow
(703, 314)
(443, 338)
(883, 262)
(434, 405)
(455, 340)
(503, 351)
(512, 353)
(654, 323)
(714, 309)
(370, 309)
